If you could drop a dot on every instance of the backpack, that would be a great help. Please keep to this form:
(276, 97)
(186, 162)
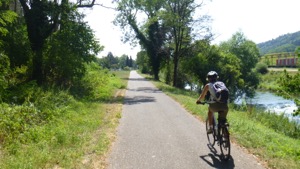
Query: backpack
(222, 93)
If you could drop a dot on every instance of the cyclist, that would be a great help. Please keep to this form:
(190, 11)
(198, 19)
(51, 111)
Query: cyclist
(214, 106)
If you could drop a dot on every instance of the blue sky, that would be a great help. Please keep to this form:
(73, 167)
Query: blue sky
(259, 20)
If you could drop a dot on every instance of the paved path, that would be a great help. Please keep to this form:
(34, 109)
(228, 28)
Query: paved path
(155, 132)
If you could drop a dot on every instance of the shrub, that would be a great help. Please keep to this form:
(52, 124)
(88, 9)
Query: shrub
(37, 109)
(261, 68)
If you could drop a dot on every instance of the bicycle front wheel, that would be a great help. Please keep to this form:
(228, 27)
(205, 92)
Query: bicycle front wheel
(225, 143)
(210, 136)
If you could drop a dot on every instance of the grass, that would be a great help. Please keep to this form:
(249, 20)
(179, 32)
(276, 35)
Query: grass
(79, 137)
(275, 149)
(269, 81)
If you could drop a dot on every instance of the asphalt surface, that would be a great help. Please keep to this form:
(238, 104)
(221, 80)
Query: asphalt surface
(155, 132)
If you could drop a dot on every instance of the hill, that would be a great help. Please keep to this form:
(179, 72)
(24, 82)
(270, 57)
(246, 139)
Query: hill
(284, 43)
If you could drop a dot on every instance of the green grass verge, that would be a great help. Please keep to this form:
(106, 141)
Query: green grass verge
(273, 148)
(78, 137)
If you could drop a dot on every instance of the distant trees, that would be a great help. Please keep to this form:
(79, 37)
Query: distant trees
(143, 63)
(114, 62)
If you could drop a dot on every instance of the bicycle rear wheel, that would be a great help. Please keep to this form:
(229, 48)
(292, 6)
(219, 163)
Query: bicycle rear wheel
(225, 142)
(210, 136)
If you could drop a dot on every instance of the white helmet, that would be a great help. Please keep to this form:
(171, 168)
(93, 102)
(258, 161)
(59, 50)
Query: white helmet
(212, 74)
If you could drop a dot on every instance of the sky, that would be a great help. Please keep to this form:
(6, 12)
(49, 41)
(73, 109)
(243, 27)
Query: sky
(259, 20)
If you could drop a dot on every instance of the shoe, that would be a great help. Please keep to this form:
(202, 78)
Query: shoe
(209, 131)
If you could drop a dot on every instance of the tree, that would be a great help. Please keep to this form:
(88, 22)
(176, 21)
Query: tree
(150, 34)
(166, 31)
(122, 61)
(42, 18)
(204, 58)
(68, 50)
(142, 62)
(178, 16)
(247, 52)
(289, 85)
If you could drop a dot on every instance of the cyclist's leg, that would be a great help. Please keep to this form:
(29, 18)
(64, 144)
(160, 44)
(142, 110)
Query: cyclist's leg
(222, 113)
(211, 109)
(210, 122)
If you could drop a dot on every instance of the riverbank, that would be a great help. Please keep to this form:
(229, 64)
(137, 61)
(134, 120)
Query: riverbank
(272, 103)
(282, 69)
(270, 82)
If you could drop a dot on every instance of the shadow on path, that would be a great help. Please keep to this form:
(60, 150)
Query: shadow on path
(136, 79)
(146, 90)
(138, 100)
(215, 160)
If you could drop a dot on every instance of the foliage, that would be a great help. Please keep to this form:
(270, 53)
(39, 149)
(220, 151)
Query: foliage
(261, 68)
(290, 88)
(7, 17)
(42, 19)
(269, 82)
(27, 106)
(209, 58)
(112, 62)
(166, 32)
(289, 85)
(178, 18)
(269, 119)
(68, 51)
(4, 71)
(150, 34)
(142, 61)
(247, 52)
(34, 107)
(78, 130)
(95, 85)
(284, 43)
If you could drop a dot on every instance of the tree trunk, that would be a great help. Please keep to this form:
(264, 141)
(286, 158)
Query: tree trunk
(175, 70)
(37, 67)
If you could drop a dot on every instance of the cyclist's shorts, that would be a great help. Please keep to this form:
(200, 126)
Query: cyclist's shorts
(222, 108)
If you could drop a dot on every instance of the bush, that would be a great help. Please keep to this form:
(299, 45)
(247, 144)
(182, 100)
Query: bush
(261, 68)
(33, 109)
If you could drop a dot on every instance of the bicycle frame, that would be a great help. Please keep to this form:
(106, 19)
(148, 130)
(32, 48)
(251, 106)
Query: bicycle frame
(220, 135)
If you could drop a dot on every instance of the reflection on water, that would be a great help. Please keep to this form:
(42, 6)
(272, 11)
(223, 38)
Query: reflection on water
(273, 103)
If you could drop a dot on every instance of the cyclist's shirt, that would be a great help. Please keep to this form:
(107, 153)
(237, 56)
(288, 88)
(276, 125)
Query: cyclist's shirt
(212, 97)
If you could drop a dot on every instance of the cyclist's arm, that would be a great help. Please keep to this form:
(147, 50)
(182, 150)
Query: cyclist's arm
(203, 93)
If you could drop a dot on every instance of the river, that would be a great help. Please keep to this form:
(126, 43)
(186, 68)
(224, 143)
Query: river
(271, 102)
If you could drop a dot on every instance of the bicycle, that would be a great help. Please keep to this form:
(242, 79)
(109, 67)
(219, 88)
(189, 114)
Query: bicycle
(220, 134)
